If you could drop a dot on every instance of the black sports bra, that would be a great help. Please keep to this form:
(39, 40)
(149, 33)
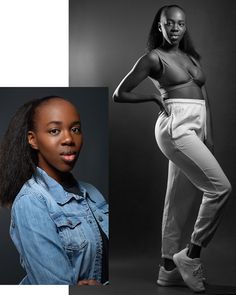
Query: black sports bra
(175, 76)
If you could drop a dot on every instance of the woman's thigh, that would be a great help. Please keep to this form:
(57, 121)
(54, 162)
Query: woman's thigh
(196, 161)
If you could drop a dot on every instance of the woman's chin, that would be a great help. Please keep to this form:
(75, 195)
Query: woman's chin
(67, 168)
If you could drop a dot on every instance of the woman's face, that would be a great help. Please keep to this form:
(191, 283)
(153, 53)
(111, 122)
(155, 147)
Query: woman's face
(57, 137)
(172, 25)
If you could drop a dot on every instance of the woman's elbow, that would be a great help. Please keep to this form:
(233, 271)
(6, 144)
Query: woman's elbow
(116, 96)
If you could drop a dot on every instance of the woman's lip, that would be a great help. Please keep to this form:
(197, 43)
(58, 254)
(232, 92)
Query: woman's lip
(69, 157)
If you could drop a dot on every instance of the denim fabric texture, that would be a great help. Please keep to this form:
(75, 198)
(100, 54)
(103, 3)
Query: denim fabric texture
(56, 232)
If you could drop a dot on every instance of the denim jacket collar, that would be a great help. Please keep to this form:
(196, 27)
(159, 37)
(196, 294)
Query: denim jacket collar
(56, 190)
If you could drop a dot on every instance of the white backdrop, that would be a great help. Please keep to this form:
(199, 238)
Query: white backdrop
(34, 52)
(34, 42)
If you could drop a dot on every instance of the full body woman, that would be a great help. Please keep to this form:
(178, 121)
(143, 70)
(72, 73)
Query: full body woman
(184, 134)
(59, 225)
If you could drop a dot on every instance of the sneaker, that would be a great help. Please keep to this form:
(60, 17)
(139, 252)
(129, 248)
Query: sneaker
(190, 270)
(169, 277)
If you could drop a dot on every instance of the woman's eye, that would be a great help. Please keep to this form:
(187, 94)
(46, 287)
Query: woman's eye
(76, 129)
(182, 24)
(54, 131)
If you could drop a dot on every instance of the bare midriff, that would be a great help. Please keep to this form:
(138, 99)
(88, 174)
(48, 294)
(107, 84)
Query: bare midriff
(189, 92)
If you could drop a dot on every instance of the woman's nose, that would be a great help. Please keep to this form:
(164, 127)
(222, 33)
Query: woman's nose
(175, 27)
(67, 138)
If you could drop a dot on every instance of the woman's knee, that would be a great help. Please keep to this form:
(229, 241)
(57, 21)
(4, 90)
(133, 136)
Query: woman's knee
(226, 187)
(229, 187)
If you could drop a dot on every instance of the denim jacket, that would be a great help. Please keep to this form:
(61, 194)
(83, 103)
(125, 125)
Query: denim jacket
(56, 232)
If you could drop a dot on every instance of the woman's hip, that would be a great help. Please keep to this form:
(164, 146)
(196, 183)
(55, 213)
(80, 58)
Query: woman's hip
(186, 116)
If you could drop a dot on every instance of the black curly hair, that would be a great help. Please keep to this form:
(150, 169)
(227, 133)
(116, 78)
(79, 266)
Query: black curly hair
(155, 37)
(18, 160)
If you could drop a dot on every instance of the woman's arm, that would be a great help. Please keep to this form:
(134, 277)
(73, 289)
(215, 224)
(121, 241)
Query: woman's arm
(144, 66)
(209, 130)
(36, 238)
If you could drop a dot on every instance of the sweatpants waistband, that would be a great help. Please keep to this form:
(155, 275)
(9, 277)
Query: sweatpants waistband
(184, 101)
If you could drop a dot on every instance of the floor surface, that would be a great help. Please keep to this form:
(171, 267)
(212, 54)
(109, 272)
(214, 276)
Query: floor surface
(138, 277)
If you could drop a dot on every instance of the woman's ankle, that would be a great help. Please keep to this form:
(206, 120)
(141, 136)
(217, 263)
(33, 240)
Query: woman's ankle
(168, 264)
(194, 251)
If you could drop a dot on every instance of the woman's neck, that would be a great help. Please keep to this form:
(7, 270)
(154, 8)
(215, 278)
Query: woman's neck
(170, 47)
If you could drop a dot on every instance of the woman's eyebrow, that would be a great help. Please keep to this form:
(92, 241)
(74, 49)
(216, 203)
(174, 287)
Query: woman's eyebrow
(76, 122)
(54, 122)
(60, 123)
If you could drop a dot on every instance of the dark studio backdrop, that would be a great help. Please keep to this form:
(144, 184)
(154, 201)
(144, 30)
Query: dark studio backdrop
(91, 167)
(106, 39)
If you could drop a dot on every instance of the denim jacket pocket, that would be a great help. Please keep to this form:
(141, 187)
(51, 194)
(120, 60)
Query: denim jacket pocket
(71, 232)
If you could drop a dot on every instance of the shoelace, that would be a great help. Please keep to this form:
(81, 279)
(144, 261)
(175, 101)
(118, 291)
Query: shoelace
(199, 273)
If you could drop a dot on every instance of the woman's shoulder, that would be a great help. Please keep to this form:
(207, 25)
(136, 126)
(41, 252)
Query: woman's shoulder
(32, 192)
(92, 191)
(149, 61)
(28, 195)
(90, 188)
(150, 56)
(28, 204)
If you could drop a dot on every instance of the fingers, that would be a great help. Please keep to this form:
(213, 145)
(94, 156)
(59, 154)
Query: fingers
(88, 283)
(93, 283)
(83, 283)
(164, 108)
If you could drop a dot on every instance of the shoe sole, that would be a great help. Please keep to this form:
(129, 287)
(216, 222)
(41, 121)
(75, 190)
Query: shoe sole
(170, 284)
(175, 259)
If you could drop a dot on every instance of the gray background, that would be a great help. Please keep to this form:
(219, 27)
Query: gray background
(106, 38)
(92, 165)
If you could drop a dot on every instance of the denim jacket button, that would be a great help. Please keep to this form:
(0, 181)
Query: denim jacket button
(100, 218)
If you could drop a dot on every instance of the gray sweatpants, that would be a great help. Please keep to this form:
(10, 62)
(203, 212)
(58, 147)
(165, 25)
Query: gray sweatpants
(191, 165)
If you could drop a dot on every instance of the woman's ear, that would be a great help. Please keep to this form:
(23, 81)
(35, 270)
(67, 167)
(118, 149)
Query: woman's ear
(159, 27)
(32, 140)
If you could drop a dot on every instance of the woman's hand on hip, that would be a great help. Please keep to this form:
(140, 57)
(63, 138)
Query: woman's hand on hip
(160, 101)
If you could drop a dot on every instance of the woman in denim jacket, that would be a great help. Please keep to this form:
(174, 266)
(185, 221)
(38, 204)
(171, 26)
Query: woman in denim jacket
(58, 225)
